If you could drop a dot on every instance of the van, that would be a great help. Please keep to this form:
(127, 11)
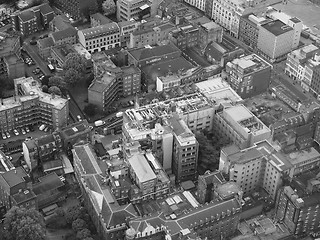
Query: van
(42, 127)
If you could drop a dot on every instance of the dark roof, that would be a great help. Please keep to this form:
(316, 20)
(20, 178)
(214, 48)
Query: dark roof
(100, 150)
(27, 15)
(47, 139)
(52, 165)
(130, 69)
(76, 128)
(277, 27)
(187, 185)
(66, 33)
(45, 8)
(46, 42)
(213, 52)
(23, 196)
(15, 176)
(146, 53)
(85, 155)
(101, 18)
(47, 183)
(215, 177)
(61, 22)
(295, 20)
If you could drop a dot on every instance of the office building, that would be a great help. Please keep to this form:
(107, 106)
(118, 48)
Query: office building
(298, 208)
(98, 19)
(15, 190)
(313, 74)
(65, 36)
(44, 47)
(59, 22)
(31, 106)
(150, 33)
(126, 28)
(132, 9)
(131, 77)
(100, 38)
(11, 64)
(208, 33)
(78, 9)
(260, 166)
(185, 36)
(32, 19)
(241, 126)
(249, 75)
(275, 40)
(199, 4)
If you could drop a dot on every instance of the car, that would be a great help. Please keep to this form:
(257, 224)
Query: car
(27, 129)
(46, 129)
(15, 131)
(4, 135)
(23, 131)
(43, 126)
(9, 157)
(79, 118)
(33, 42)
(8, 134)
(41, 77)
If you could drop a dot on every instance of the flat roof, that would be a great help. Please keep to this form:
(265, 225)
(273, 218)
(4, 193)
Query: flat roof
(238, 113)
(277, 27)
(101, 30)
(141, 168)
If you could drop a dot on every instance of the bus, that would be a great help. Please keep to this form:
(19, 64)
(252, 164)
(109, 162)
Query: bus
(51, 68)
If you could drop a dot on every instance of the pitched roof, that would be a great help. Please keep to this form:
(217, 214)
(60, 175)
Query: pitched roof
(23, 196)
(45, 9)
(141, 168)
(100, 30)
(101, 18)
(47, 183)
(15, 176)
(146, 53)
(62, 34)
(27, 15)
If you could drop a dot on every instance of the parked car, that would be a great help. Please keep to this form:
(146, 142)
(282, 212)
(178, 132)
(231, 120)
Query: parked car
(4, 135)
(27, 129)
(23, 131)
(8, 134)
(46, 129)
(15, 131)
(42, 127)
(79, 118)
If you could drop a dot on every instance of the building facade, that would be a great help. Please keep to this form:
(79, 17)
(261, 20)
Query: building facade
(78, 9)
(130, 9)
(100, 38)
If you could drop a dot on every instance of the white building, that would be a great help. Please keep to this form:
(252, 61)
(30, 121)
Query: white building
(100, 38)
(200, 4)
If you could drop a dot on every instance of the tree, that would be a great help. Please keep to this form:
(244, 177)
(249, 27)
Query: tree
(78, 225)
(45, 80)
(84, 233)
(45, 88)
(57, 81)
(72, 213)
(71, 76)
(60, 212)
(55, 90)
(76, 62)
(90, 109)
(24, 224)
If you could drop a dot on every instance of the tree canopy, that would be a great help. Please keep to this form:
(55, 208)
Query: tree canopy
(55, 90)
(57, 81)
(24, 224)
(78, 225)
(71, 76)
(76, 62)
(90, 109)
(83, 234)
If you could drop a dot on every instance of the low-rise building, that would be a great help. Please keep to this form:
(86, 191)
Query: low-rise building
(60, 22)
(185, 36)
(241, 126)
(132, 9)
(32, 19)
(44, 47)
(100, 38)
(126, 28)
(208, 33)
(65, 36)
(249, 75)
(98, 19)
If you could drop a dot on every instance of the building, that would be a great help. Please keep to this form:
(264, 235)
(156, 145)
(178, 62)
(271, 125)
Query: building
(275, 40)
(146, 56)
(200, 4)
(11, 64)
(59, 22)
(44, 47)
(299, 210)
(249, 75)
(15, 190)
(78, 9)
(208, 33)
(132, 9)
(297, 60)
(98, 19)
(126, 28)
(65, 36)
(5, 163)
(185, 36)
(131, 76)
(260, 166)
(100, 38)
(32, 19)
(31, 106)
(108, 216)
(313, 69)
(241, 126)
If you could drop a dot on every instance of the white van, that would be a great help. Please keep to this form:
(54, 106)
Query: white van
(42, 127)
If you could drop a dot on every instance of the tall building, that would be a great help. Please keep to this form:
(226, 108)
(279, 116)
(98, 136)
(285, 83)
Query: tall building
(260, 166)
(200, 4)
(132, 9)
(126, 28)
(241, 126)
(249, 75)
(131, 76)
(100, 38)
(298, 208)
(32, 19)
(31, 106)
(78, 9)
(208, 33)
(275, 40)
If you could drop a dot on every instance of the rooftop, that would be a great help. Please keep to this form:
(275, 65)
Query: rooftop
(15, 176)
(75, 129)
(299, 157)
(46, 42)
(63, 50)
(102, 30)
(101, 18)
(277, 27)
(62, 34)
(8, 44)
(211, 25)
(141, 168)
(23, 196)
(61, 22)
(82, 50)
(47, 183)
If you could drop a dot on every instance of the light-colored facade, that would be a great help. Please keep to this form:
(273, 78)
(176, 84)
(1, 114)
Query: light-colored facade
(100, 38)
(241, 126)
(275, 40)
(129, 9)
(255, 167)
(31, 106)
(200, 4)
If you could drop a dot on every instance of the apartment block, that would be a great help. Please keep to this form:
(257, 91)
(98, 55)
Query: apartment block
(44, 47)
(314, 68)
(297, 61)
(199, 4)
(241, 126)
(298, 210)
(208, 33)
(66, 36)
(32, 19)
(275, 40)
(260, 166)
(131, 77)
(126, 28)
(78, 9)
(185, 36)
(100, 38)
(150, 33)
(249, 75)
(11, 64)
(98, 19)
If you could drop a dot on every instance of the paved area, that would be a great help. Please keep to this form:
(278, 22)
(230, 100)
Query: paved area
(305, 10)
